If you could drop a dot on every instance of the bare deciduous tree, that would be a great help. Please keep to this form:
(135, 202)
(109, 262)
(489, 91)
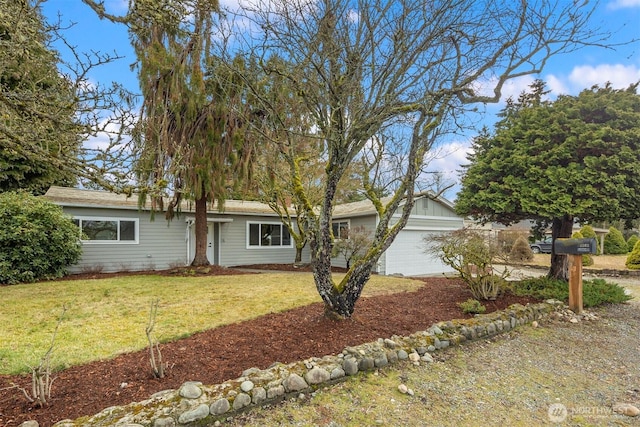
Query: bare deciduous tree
(411, 69)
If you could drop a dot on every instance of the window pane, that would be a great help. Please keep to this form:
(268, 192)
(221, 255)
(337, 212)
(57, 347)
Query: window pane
(340, 229)
(254, 234)
(128, 230)
(100, 230)
(344, 230)
(286, 236)
(276, 238)
(267, 234)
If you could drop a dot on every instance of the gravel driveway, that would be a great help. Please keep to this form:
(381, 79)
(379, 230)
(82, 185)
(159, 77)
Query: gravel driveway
(559, 373)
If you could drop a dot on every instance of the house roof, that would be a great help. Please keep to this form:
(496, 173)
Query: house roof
(365, 207)
(74, 197)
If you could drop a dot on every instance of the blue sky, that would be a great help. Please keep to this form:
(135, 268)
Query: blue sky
(566, 74)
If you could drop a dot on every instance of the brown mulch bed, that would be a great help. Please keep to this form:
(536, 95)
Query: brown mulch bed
(223, 353)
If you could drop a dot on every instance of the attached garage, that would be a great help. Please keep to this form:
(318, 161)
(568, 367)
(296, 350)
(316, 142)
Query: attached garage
(407, 255)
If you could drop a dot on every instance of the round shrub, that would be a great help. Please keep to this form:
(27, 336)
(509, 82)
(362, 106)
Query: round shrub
(631, 242)
(37, 240)
(588, 232)
(633, 260)
(614, 243)
(521, 251)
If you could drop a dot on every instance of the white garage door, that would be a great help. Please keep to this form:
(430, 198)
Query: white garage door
(406, 256)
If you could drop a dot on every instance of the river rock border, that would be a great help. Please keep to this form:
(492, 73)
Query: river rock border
(197, 404)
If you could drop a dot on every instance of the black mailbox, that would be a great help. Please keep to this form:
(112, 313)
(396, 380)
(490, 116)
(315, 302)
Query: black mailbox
(575, 246)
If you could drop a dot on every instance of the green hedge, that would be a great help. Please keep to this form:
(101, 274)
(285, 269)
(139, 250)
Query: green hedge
(37, 240)
(594, 292)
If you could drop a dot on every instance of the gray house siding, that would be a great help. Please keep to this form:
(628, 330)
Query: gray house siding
(431, 208)
(432, 223)
(368, 222)
(235, 249)
(160, 244)
(163, 245)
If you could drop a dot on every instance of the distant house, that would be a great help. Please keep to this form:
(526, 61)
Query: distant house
(524, 227)
(122, 236)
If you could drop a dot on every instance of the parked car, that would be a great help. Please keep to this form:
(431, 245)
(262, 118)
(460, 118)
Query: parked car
(542, 246)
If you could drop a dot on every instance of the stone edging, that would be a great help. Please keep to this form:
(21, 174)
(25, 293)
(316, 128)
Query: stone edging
(197, 404)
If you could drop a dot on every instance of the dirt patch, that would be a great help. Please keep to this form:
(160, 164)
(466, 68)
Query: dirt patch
(223, 353)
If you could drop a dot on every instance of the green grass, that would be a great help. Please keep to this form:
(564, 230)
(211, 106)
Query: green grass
(615, 262)
(107, 317)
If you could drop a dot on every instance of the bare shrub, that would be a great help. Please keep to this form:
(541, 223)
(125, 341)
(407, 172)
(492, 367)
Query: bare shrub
(155, 356)
(354, 245)
(471, 254)
(92, 268)
(41, 380)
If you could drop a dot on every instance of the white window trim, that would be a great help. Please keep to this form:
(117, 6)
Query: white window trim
(260, 247)
(111, 242)
(338, 221)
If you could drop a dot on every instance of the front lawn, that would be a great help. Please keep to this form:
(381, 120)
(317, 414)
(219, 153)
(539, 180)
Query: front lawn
(106, 317)
(614, 262)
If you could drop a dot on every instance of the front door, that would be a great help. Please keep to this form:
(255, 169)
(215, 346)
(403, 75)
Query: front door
(210, 243)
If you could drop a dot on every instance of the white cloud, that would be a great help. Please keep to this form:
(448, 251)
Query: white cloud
(446, 159)
(449, 157)
(622, 4)
(620, 76)
(106, 137)
(353, 16)
(556, 85)
(511, 88)
(452, 150)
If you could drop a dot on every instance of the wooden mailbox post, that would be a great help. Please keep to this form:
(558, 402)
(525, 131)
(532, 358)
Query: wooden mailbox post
(574, 249)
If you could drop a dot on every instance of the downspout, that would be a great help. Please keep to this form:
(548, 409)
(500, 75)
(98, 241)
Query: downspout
(188, 240)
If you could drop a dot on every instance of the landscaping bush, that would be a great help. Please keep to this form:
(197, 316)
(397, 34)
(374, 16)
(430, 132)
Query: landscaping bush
(37, 240)
(542, 288)
(507, 238)
(599, 291)
(594, 292)
(521, 251)
(471, 254)
(588, 233)
(633, 239)
(614, 243)
(472, 306)
(633, 260)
